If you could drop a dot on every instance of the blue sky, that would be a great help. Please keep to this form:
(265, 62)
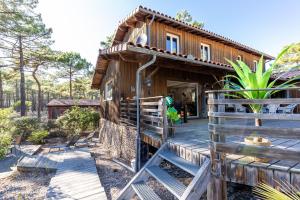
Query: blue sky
(267, 25)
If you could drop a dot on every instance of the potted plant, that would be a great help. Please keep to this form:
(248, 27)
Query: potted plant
(172, 115)
(246, 79)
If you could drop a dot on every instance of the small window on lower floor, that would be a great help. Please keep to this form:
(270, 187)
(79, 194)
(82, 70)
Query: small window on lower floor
(254, 65)
(109, 90)
(239, 57)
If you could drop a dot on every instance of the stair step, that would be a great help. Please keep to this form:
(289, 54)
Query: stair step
(151, 133)
(144, 191)
(180, 162)
(173, 185)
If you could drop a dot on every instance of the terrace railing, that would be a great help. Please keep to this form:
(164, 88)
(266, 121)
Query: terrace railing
(153, 116)
(220, 133)
(128, 112)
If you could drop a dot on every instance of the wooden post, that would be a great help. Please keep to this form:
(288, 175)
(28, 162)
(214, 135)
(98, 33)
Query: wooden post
(222, 156)
(165, 120)
(216, 189)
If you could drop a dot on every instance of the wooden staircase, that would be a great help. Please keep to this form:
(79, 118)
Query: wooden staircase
(138, 185)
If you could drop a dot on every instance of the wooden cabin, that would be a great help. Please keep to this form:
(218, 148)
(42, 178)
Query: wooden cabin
(56, 107)
(188, 61)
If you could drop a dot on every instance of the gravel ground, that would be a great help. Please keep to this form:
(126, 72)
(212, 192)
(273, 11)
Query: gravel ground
(21, 186)
(113, 177)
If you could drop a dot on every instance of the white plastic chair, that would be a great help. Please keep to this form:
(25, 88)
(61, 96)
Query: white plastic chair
(239, 108)
(287, 109)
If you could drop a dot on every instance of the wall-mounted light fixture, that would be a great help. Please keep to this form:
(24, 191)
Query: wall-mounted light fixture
(148, 82)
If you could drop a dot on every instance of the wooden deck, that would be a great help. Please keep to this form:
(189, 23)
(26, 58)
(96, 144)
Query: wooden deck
(191, 142)
(44, 162)
(25, 149)
(76, 178)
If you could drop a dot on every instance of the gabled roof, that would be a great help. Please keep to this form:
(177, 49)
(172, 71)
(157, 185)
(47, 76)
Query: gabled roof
(73, 102)
(141, 13)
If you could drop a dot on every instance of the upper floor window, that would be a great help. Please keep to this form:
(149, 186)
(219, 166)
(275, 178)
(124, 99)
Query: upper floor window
(205, 52)
(109, 90)
(239, 57)
(254, 65)
(172, 43)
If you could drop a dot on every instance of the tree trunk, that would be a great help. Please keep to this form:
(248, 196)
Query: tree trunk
(42, 101)
(33, 101)
(71, 95)
(39, 98)
(8, 100)
(1, 92)
(17, 96)
(22, 79)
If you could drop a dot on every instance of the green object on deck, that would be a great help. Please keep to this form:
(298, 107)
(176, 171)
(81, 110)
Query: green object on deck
(169, 101)
(172, 115)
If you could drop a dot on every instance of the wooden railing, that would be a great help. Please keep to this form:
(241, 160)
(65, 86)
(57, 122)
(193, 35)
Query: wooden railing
(152, 114)
(128, 112)
(220, 130)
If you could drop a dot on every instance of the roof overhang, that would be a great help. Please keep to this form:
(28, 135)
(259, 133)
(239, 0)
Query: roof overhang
(142, 14)
(143, 54)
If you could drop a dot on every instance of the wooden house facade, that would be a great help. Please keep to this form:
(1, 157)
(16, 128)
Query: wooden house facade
(187, 61)
(187, 55)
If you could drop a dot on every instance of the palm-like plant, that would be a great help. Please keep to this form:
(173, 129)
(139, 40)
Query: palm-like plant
(253, 82)
(285, 192)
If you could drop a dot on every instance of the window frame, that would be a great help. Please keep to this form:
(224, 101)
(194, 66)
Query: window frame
(106, 90)
(239, 57)
(201, 51)
(171, 35)
(255, 65)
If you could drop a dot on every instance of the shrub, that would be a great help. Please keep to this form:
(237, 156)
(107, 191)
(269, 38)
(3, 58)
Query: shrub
(37, 137)
(26, 125)
(5, 142)
(6, 125)
(76, 120)
(17, 105)
(51, 124)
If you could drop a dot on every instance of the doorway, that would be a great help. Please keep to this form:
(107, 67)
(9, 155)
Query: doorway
(185, 94)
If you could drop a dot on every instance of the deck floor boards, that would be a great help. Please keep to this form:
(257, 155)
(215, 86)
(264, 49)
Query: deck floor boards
(47, 162)
(191, 142)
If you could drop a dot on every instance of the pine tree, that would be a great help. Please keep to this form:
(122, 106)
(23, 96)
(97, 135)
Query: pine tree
(20, 30)
(186, 17)
(72, 66)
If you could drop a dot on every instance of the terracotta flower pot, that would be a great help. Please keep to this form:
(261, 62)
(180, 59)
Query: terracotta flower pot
(258, 141)
(18, 139)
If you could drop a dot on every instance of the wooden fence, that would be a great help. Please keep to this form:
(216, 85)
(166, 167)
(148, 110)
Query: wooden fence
(220, 144)
(153, 116)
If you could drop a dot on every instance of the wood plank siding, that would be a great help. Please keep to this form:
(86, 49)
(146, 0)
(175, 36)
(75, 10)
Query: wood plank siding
(190, 44)
(109, 109)
(122, 68)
